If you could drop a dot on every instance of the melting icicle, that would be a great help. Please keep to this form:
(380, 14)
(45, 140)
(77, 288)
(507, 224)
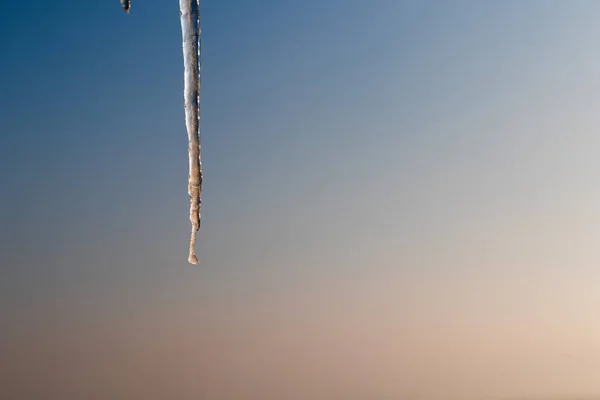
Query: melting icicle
(126, 4)
(189, 10)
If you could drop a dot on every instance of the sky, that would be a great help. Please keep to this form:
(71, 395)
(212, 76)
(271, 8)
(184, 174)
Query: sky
(401, 200)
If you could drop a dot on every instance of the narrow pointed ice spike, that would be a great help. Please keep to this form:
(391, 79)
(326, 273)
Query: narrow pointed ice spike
(189, 11)
(126, 4)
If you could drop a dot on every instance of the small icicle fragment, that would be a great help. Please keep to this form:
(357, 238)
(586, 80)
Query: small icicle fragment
(126, 4)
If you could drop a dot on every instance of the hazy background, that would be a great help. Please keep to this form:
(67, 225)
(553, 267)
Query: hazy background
(401, 199)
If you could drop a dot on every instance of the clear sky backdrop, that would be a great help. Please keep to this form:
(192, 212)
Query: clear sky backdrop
(401, 199)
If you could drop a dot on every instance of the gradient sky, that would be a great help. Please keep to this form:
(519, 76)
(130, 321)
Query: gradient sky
(401, 199)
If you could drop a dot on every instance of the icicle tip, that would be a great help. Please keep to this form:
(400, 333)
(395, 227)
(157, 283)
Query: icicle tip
(192, 259)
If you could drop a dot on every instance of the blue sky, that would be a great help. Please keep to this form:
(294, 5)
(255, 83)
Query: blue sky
(401, 198)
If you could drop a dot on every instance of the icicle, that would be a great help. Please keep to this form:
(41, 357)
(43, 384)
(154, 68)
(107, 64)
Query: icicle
(126, 4)
(189, 11)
